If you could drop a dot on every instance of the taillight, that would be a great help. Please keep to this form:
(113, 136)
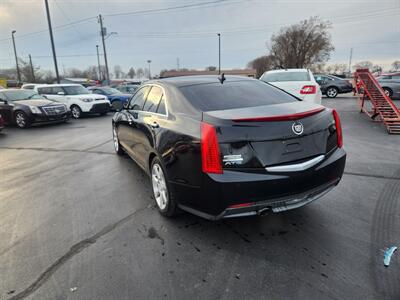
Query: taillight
(338, 126)
(210, 157)
(308, 89)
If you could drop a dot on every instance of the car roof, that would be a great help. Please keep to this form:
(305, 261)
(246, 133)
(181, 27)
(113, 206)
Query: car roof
(180, 81)
(287, 70)
(14, 90)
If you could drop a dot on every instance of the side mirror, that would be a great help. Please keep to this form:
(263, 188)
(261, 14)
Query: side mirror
(44, 96)
(61, 93)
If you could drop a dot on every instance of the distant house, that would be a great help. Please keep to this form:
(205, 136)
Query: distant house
(240, 72)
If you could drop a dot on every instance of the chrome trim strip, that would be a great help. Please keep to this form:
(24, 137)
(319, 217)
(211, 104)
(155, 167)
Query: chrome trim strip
(297, 167)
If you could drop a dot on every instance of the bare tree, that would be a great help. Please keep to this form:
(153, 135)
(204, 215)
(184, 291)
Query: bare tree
(140, 73)
(211, 68)
(302, 45)
(363, 65)
(261, 64)
(396, 65)
(131, 72)
(377, 69)
(118, 71)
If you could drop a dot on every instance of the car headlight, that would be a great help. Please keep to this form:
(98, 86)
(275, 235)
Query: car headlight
(35, 110)
(86, 99)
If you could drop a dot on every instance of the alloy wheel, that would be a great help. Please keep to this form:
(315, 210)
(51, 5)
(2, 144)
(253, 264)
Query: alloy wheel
(20, 120)
(331, 93)
(160, 188)
(115, 139)
(76, 112)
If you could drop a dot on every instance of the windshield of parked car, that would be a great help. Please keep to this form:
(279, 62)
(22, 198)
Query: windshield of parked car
(15, 95)
(234, 94)
(76, 90)
(285, 76)
(110, 91)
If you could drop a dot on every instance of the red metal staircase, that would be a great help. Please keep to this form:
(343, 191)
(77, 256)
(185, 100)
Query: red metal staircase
(381, 105)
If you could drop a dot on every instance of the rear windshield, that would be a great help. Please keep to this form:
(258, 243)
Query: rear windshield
(285, 76)
(234, 94)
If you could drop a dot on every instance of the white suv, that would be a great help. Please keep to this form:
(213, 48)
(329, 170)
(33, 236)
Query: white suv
(298, 82)
(76, 97)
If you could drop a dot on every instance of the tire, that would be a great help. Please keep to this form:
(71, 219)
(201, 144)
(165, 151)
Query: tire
(117, 146)
(388, 92)
(21, 119)
(116, 105)
(76, 111)
(332, 92)
(164, 196)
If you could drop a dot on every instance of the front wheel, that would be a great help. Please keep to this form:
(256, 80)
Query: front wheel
(117, 146)
(332, 92)
(21, 119)
(164, 196)
(388, 92)
(76, 111)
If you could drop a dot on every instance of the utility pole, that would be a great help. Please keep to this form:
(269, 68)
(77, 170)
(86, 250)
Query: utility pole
(98, 61)
(32, 71)
(149, 62)
(52, 40)
(103, 33)
(16, 57)
(219, 53)
(351, 56)
(177, 63)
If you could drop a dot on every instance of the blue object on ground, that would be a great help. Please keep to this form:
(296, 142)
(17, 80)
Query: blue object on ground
(388, 255)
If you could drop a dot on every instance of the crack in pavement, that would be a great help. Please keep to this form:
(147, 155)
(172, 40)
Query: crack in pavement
(372, 175)
(57, 150)
(74, 250)
(98, 145)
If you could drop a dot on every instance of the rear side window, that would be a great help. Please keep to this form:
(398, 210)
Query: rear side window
(285, 76)
(139, 98)
(161, 106)
(153, 99)
(234, 94)
(28, 87)
(44, 90)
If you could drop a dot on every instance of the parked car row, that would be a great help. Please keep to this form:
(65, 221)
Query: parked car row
(390, 84)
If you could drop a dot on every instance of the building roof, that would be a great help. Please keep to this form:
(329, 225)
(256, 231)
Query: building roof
(241, 72)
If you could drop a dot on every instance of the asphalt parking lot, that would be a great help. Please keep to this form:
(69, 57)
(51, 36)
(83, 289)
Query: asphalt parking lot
(78, 222)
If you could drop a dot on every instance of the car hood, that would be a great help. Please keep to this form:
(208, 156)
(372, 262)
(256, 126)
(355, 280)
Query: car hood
(36, 102)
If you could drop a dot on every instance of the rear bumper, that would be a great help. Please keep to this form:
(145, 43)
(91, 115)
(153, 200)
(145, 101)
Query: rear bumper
(221, 196)
(100, 108)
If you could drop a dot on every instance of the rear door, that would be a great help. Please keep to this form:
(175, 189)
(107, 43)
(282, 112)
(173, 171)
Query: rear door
(129, 128)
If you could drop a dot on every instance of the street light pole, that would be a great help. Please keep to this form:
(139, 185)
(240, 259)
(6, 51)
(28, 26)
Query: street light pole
(98, 61)
(32, 70)
(149, 62)
(103, 33)
(52, 40)
(219, 53)
(16, 57)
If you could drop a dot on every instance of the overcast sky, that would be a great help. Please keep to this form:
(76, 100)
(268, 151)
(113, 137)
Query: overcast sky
(370, 27)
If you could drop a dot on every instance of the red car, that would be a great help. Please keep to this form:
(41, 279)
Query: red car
(1, 123)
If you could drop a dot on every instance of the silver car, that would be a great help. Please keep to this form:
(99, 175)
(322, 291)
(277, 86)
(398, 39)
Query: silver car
(390, 84)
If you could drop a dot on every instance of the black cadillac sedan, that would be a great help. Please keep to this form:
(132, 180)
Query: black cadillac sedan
(24, 108)
(225, 147)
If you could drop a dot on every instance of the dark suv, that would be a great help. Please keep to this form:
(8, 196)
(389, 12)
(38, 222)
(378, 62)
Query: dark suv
(331, 85)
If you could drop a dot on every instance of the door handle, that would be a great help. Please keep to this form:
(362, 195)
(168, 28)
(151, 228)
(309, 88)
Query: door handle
(154, 125)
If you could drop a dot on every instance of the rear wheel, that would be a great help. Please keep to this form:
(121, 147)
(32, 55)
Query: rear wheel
(163, 194)
(388, 92)
(332, 92)
(76, 111)
(21, 119)
(116, 105)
